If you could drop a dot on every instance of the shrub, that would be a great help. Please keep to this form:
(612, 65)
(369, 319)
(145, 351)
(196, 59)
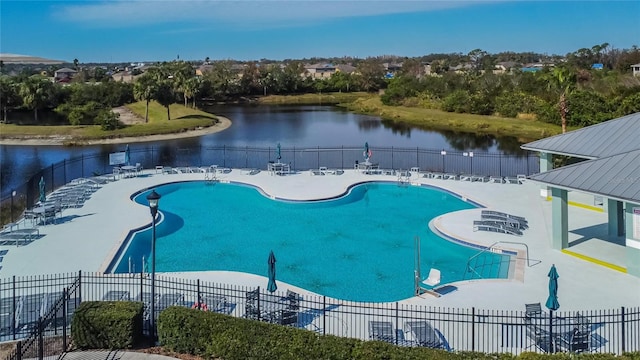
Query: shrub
(107, 324)
(458, 101)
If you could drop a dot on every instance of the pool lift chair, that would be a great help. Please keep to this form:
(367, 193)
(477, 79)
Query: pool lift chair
(433, 279)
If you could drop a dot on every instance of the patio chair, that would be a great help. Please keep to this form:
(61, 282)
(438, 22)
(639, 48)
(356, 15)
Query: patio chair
(580, 341)
(294, 300)
(424, 333)
(288, 318)
(532, 310)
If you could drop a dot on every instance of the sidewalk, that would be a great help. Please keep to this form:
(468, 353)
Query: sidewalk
(113, 355)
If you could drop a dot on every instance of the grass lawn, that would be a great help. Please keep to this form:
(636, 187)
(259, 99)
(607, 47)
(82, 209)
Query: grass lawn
(313, 99)
(524, 129)
(182, 119)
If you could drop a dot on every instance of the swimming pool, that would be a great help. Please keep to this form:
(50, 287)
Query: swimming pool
(356, 247)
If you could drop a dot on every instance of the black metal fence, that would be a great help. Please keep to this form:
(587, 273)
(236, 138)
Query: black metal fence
(37, 311)
(456, 162)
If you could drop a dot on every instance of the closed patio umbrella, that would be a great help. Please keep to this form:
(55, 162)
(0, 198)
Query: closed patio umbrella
(367, 152)
(43, 195)
(278, 152)
(127, 155)
(552, 301)
(271, 286)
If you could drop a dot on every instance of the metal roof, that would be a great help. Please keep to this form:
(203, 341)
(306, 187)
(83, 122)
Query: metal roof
(597, 141)
(615, 177)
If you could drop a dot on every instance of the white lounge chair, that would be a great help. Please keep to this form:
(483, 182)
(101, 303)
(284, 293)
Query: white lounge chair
(434, 277)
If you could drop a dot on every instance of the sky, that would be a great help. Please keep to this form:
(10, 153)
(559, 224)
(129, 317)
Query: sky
(164, 30)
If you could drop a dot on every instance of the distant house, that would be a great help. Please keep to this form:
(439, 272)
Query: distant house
(636, 69)
(123, 76)
(320, 71)
(345, 68)
(597, 66)
(200, 70)
(503, 67)
(64, 75)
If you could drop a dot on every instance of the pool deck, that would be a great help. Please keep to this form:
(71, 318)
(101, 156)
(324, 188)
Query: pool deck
(88, 237)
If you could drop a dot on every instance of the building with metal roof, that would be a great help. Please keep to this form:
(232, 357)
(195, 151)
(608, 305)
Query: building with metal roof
(611, 171)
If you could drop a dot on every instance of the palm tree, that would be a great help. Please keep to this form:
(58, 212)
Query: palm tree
(35, 92)
(144, 89)
(561, 80)
(165, 96)
(191, 89)
(8, 94)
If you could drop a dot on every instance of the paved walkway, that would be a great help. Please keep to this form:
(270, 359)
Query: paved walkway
(87, 238)
(112, 355)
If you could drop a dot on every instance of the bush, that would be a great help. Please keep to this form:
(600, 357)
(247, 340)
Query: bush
(108, 120)
(107, 324)
(213, 335)
(458, 101)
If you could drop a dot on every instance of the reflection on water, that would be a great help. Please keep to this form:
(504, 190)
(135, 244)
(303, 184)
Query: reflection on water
(264, 126)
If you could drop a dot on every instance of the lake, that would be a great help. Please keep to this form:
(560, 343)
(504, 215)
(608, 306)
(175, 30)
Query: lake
(264, 126)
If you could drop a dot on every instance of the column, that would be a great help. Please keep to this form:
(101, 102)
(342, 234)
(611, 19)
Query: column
(633, 239)
(546, 164)
(559, 219)
(615, 213)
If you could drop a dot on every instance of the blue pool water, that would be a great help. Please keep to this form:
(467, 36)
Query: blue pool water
(357, 247)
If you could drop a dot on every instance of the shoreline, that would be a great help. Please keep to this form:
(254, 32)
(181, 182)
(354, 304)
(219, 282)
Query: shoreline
(223, 124)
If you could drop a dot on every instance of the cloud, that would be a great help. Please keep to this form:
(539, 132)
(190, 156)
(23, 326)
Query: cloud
(238, 13)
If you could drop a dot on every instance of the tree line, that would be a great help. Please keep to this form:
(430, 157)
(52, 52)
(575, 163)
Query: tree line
(568, 91)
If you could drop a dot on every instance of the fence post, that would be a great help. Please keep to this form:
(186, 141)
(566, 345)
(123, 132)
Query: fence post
(324, 315)
(64, 170)
(392, 152)
(65, 303)
(13, 318)
(40, 339)
(395, 337)
(80, 285)
(19, 350)
(259, 312)
(473, 329)
(198, 290)
(622, 332)
(82, 166)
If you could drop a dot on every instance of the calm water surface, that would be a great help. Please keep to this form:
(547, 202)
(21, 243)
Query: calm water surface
(263, 126)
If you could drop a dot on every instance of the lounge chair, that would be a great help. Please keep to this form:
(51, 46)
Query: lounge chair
(434, 277)
(496, 226)
(522, 223)
(578, 342)
(495, 179)
(465, 177)
(116, 295)
(480, 178)
(424, 334)
(511, 180)
(381, 331)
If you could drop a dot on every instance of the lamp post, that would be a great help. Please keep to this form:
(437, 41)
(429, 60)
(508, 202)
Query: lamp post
(13, 194)
(153, 199)
(443, 153)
